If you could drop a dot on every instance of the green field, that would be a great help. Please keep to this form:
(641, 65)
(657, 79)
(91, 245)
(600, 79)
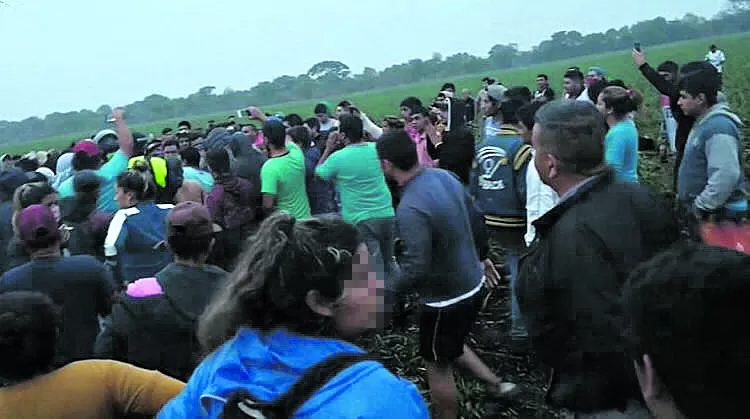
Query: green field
(619, 65)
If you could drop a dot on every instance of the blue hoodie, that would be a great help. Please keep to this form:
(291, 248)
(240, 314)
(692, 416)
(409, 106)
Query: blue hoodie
(267, 366)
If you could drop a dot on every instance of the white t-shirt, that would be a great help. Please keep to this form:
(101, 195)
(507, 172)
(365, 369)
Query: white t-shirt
(331, 124)
(716, 59)
(540, 198)
(584, 96)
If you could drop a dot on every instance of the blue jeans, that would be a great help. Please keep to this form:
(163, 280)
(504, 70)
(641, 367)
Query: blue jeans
(518, 328)
(378, 234)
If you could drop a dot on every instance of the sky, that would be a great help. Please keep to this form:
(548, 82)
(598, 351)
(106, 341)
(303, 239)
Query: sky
(68, 55)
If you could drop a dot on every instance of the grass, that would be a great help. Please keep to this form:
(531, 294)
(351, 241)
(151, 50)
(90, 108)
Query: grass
(378, 103)
(399, 349)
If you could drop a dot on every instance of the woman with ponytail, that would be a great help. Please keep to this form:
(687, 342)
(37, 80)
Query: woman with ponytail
(88, 226)
(298, 293)
(135, 245)
(621, 143)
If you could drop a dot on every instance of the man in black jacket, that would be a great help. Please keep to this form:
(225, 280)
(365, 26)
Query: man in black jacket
(668, 87)
(570, 280)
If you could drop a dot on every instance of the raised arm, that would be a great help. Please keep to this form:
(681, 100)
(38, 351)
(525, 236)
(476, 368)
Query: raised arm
(125, 137)
(661, 84)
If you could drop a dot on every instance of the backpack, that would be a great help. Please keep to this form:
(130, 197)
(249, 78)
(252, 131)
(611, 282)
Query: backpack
(242, 405)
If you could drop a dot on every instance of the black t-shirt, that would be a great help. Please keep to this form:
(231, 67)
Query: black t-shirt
(80, 285)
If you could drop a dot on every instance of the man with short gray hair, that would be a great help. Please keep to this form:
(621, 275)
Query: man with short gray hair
(570, 280)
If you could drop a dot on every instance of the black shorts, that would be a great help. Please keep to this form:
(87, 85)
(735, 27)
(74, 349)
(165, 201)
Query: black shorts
(442, 331)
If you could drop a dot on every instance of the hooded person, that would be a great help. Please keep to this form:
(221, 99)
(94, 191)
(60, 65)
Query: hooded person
(711, 181)
(153, 325)
(63, 169)
(233, 206)
(247, 160)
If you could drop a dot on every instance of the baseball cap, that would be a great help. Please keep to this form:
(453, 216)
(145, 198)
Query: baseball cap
(496, 92)
(87, 146)
(190, 219)
(598, 71)
(37, 226)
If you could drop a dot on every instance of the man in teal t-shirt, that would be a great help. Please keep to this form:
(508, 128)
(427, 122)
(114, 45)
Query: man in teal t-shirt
(365, 199)
(89, 156)
(282, 176)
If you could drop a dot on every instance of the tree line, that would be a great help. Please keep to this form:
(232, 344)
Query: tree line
(334, 78)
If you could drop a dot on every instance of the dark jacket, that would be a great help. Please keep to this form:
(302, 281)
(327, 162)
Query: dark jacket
(569, 288)
(9, 180)
(248, 160)
(320, 193)
(232, 206)
(153, 324)
(457, 155)
(80, 285)
(684, 122)
(499, 180)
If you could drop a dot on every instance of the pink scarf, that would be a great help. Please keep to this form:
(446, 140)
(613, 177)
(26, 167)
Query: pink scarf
(422, 155)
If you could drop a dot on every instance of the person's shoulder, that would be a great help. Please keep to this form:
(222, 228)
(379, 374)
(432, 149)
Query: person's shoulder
(13, 275)
(381, 394)
(65, 189)
(90, 370)
(83, 260)
(215, 270)
(118, 162)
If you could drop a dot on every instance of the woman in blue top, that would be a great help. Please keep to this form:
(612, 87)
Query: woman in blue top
(617, 104)
(298, 292)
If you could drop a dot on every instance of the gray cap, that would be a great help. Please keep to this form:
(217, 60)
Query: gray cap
(496, 92)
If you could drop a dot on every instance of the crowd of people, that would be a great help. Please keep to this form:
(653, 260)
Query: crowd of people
(228, 272)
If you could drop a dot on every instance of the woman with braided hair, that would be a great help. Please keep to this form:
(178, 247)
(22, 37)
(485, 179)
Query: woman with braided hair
(298, 293)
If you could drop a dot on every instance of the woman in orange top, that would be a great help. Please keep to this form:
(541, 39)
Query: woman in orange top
(29, 389)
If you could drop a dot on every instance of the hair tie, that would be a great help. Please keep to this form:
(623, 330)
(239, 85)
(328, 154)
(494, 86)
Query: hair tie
(288, 227)
(337, 253)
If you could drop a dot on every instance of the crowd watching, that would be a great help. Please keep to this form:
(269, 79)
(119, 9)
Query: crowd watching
(229, 271)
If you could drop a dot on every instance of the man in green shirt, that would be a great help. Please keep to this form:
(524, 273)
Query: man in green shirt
(283, 174)
(365, 199)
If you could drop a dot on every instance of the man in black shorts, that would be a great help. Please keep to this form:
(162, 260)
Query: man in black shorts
(440, 226)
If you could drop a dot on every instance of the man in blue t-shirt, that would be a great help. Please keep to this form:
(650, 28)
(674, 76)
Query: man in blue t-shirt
(80, 285)
(88, 156)
(441, 228)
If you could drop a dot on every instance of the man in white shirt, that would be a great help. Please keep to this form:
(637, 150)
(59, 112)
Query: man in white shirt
(717, 58)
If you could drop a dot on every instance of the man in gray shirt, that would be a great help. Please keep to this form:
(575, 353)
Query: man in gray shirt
(440, 226)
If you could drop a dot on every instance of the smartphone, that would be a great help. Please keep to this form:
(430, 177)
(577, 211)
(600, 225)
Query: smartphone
(240, 113)
(637, 46)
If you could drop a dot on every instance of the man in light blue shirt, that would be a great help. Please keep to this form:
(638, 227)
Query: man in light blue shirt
(191, 161)
(88, 156)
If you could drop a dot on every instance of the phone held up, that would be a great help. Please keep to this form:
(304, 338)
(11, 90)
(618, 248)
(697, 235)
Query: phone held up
(637, 46)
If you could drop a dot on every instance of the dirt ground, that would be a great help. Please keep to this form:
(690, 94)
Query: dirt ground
(490, 339)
